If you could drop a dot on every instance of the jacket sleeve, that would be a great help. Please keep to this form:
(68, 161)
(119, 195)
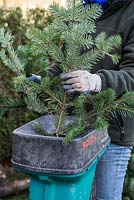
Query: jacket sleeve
(122, 80)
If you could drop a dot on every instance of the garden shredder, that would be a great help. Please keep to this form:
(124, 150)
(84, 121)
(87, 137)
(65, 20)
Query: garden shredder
(58, 171)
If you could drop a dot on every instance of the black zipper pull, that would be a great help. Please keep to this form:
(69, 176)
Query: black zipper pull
(122, 138)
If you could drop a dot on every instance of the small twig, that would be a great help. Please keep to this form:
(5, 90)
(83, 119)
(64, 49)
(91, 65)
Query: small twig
(61, 114)
(126, 109)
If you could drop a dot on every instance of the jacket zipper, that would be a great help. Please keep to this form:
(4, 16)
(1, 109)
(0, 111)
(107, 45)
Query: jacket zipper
(120, 122)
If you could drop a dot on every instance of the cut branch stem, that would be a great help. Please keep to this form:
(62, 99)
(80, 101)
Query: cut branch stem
(61, 114)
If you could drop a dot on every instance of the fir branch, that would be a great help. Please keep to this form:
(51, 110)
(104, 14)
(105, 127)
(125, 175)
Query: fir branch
(128, 111)
(73, 132)
(54, 97)
(10, 105)
(86, 42)
(11, 60)
(71, 60)
(60, 28)
(89, 59)
(41, 40)
(126, 104)
(34, 103)
(104, 47)
(24, 85)
(5, 38)
(56, 53)
(115, 58)
(38, 40)
(75, 32)
(104, 104)
(60, 13)
(89, 13)
(37, 127)
(61, 114)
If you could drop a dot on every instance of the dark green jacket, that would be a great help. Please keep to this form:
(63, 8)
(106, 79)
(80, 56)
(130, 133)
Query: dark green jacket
(119, 18)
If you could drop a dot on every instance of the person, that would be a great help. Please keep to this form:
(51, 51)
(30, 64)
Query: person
(117, 18)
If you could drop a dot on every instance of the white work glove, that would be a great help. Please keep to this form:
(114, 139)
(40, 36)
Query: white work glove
(81, 81)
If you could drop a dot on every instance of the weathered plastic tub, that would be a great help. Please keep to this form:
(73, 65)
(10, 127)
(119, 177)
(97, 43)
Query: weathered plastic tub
(57, 171)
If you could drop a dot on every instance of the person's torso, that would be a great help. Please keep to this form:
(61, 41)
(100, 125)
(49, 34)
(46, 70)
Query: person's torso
(118, 18)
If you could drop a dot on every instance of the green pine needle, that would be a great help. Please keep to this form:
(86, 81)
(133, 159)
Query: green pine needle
(37, 127)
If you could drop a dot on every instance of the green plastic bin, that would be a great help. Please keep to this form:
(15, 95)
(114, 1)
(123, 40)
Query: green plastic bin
(62, 187)
(58, 171)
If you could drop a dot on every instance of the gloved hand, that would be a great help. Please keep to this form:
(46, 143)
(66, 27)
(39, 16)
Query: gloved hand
(81, 81)
(54, 69)
(34, 78)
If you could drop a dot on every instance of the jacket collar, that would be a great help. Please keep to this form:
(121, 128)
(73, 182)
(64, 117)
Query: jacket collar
(117, 3)
(113, 6)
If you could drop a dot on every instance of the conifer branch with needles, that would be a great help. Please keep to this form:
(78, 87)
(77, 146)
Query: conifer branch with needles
(11, 60)
(76, 34)
(10, 105)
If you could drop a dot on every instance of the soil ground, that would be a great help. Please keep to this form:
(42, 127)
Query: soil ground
(7, 176)
(23, 196)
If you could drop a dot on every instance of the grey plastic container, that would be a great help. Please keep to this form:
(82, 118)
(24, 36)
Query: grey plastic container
(48, 154)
